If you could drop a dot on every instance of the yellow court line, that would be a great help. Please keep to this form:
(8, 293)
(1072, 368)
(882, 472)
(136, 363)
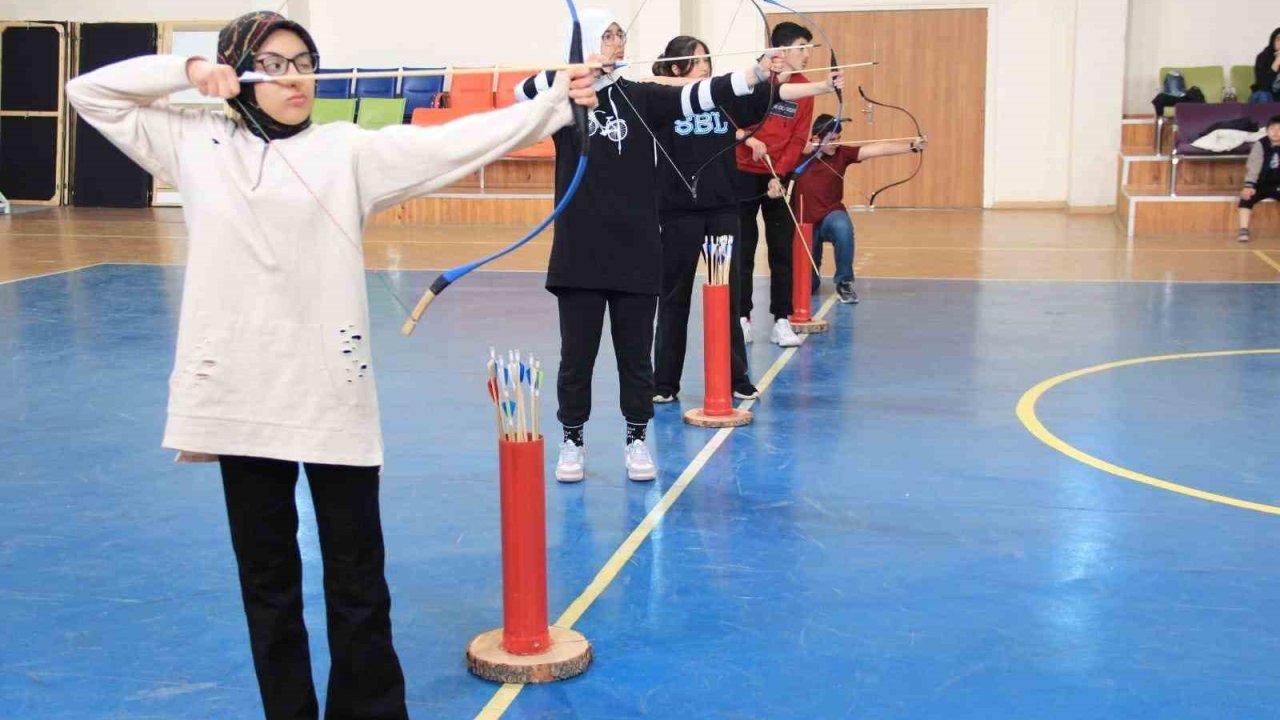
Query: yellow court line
(1014, 248)
(507, 694)
(864, 271)
(1027, 414)
(51, 273)
(1267, 259)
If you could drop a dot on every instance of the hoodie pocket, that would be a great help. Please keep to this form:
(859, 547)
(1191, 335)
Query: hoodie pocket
(269, 373)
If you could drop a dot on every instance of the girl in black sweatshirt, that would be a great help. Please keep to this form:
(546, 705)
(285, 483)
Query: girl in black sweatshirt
(607, 254)
(697, 197)
(1265, 67)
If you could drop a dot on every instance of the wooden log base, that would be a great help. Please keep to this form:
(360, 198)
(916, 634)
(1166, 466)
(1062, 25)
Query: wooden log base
(569, 656)
(737, 418)
(812, 327)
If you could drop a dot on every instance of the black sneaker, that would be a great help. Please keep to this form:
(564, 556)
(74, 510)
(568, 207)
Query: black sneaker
(846, 293)
(746, 391)
(663, 397)
(1243, 235)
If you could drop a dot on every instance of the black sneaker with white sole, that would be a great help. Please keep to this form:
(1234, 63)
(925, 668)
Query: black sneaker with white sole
(846, 293)
(746, 392)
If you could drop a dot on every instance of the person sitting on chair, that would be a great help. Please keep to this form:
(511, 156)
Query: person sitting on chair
(1262, 176)
(1266, 72)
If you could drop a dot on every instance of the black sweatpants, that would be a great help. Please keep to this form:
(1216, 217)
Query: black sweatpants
(1263, 192)
(581, 325)
(365, 679)
(779, 233)
(682, 238)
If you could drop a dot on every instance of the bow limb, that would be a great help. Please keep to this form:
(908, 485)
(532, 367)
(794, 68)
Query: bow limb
(452, 275)
(871, 202)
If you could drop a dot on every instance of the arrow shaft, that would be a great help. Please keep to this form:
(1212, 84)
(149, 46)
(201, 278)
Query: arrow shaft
(488, 70)
(873, 142)
(873, 63)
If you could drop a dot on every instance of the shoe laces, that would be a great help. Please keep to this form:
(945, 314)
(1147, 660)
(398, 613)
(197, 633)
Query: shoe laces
(638, 452)
(570, 454)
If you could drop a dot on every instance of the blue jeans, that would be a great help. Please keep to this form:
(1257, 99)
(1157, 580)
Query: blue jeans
(1262, 96)
(837, 229)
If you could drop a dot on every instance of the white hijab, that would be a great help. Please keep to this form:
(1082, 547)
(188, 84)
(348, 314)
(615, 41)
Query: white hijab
(594, 21)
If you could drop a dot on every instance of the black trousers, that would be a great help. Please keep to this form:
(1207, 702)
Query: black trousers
(682, 237)
(365, 679)
(1263, 192)
(779, 232)
(581, 325)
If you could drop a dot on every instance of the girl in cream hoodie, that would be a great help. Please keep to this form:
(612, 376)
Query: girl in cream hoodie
(273, 365)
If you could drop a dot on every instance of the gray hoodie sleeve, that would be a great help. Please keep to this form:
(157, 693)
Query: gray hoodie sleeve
(1254, 167)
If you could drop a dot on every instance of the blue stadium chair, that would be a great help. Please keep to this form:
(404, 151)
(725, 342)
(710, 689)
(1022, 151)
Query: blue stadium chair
(420, 92)
(334, 89)
(375, 87)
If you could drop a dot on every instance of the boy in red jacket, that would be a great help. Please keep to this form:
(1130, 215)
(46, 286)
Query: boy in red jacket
(782, 137)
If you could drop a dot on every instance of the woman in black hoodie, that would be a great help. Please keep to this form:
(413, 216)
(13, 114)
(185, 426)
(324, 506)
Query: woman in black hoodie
(1266, 72)
(697, 198)
(606, 254)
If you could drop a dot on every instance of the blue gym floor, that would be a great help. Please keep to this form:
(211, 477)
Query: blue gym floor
(886, 541)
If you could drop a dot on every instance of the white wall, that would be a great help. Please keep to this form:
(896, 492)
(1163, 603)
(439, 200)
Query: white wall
(1029, 126)
(129, 10)
(396, 32)
(1097, 100)
(1165, 33)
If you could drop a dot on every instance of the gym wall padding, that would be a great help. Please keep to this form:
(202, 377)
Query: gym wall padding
(30, 81)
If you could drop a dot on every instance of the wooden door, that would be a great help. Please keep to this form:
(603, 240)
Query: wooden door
(934, 64)
(853, 34)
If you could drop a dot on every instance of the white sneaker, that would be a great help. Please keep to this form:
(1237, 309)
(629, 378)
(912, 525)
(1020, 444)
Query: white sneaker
(783, 335)
(572, 465)
(640, 465)
(746, 330)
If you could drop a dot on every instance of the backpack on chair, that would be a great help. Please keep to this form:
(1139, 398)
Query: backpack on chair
(1174, 84)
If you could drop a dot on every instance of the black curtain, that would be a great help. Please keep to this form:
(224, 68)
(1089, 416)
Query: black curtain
(102, 176)
(29, 79)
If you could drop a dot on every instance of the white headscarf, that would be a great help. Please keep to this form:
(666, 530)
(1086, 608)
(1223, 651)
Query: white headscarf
(595, 22)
